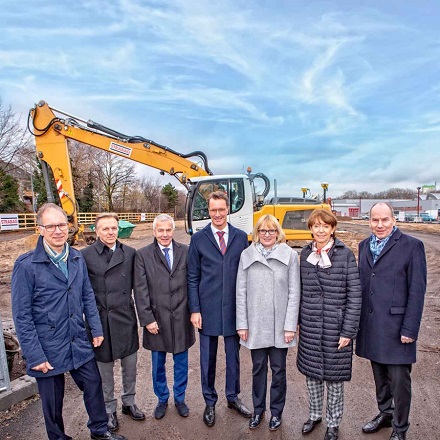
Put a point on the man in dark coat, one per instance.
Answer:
(162, 306)
(51, 293)
(110, 265)
(213, 258)
(392, 268)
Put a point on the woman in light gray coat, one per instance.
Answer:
(267, 304)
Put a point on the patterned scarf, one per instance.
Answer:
(319, 256)
(60, 260)
(377, 244)
(263, 251)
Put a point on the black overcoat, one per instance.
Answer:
(161, 296)
(393, 292)
(112, 282)
(330, 308)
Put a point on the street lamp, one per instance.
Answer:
(305, 191)
(418, 202)
(325, 188)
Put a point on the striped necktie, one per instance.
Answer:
(167, 256)
(221, 241)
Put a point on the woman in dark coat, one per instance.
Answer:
(329, 318)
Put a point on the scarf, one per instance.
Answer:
(263, 251)
(377, 244)
(320, 256)
(60, 260)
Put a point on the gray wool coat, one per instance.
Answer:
(161, 295)
(268, 296)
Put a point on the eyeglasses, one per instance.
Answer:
(267, 231)
(51, 228)
(219, 211)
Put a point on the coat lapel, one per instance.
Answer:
(72, 267)
(161, 255)
(177, 255)
(210, 235)
(117, 257)
(391, 242)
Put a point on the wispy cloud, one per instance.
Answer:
(305, 91)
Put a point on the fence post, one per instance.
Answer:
(5, 384)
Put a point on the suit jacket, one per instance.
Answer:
(161, 296)
(112, 282)
(49, 311)
(393, 292)
(212, 280)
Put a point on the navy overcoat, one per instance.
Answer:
(393, 292)
(212, 278)
(49, 310)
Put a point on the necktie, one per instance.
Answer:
(221, 241)
(109, 254)
(167, 256)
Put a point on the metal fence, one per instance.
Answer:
(27, 221)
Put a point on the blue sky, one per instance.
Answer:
(306, 92)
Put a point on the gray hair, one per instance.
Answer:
(47, 206)
(163, 218)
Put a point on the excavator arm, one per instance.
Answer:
(52, 128)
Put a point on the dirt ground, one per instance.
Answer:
(25, 420)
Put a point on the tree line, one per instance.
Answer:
(102, 181)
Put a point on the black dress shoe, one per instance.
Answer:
(160, 410)
(209, 415)
(112, 422)
(398, 436)
(107, 436)
(182, 409)
(255, 421)
(310, 425)
(274, 423)
(241, 408)
(133, 411)
(332, 433)
(379, 422)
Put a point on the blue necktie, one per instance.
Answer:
(167, 256)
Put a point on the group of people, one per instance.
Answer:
(78, 312)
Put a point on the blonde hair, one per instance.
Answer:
(271, 222)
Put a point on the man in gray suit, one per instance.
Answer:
(162, 304)
(110, 265)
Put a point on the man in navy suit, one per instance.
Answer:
(213, 258)
(392, 268)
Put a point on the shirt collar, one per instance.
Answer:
(170, 247)
(215, 230)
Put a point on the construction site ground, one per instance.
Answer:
(24, 420)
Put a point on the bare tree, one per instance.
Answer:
(116, 172)
(13, 137)
(152, 191)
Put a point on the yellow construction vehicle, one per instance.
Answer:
(52, 128)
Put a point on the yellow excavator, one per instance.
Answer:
(52, 128)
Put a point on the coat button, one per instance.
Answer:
(371, 310)
(373, 274)
(371, 292)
